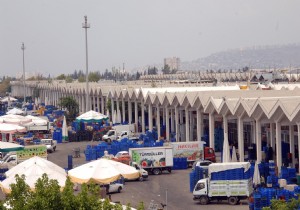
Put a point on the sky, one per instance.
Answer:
(137, 33)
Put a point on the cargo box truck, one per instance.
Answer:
(153, 159)
(232, 186)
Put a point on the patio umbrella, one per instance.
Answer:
(33, 169)
(8, 147)
(256, 175)
(233, 156)
(15, 111)
(102, 171)
(8, 99)
(226, 152)
(14, 119)
(35, 121)
(64, 130)
(91, 116)
(10, 128)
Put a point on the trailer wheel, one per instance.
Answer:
(203, 200)
(156, 171)
(233, 200)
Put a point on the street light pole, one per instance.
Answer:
(23, 49)
(86, 25)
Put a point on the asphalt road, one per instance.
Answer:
(172, 189)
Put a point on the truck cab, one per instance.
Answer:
(201, 191)
(10, 158)
(50, 144)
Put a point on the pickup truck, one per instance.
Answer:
(50, 144)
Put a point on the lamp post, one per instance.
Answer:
(86, 25)
(23, 49)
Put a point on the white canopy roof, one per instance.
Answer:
(216, 167)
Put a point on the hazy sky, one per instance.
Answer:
(136, 32)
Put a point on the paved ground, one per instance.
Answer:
(171, 188)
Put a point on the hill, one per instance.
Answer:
(265, 57)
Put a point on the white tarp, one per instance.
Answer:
(234, 156)
(256, 175)
(15, 111)
(216, 167)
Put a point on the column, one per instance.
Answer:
(143, 117)
(158, 121)
(95, 102)
(112, 106)
(199, 124)
(83, 104)
(118, 106)
(98, 104)
(187, 125)
(292, 144)
(129, 112)
(177, 123)
(211, 130)
(172, 121)
(254, 132)
(150, 118)
(240, 127)
(136, 117)
(298, 130)
(278, 146)
(272, 137)
(258, 141)
(167, 125)
(123, 110)
(102, 105)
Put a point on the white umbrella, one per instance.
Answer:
(35, 121)
(7, 147)
(233, 156)
(91, 116)
(256, 175)
(64, 130)
(15, 111)
(102, 171)
(33, 169)
(14, 119)
(8, 99)
(10, 128)
(226, 151)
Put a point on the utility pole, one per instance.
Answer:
(86, 25)
(24, 85)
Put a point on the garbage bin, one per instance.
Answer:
(76, 152)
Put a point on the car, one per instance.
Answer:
(202, 163)
(115, 187)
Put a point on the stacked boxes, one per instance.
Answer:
(195, 176)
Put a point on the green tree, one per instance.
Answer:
(69, 79)
(94, 77)
(72, 107)
(68, 198)
(81, 79)
(166, 69)
(61, 77)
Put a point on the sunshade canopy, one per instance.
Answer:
(8, 147)
(91, 116)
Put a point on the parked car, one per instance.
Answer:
(202, 163)
(50, 143)
(115, 187)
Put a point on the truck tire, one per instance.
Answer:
(203, 200)
(108, 140)
(233, 200)
(54, 149)
(119, 189)
(156, 171)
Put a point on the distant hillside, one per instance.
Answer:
(265, 57)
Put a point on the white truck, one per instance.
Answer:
(50, 144)
(153, 159)
(118, 132)
(232, 190)
(193, 151)
(13, 158)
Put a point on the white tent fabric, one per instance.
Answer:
(226, 151)
(91, 115)
(216, 167)
(11, 128)
(15, 111)
(33, 169)
(233, 156)
(35, 121)
(102, 171)
(14, 119)
(256, 175)
(7, 99)
(7, 146)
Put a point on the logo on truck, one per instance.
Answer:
(149, 159)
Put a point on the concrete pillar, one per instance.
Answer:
(167, 125)
(187, 125)
(258, 141)
(98, 104)
(136, 117)
(118, 106)
(158, 121)
(254, 132)
(272, 136)
(83, 103)
(143, 117)
(164, 116)
(129, 112)
(192, 120)
(177, 123)
(112, 106)
(172, 120)
(150, 118)
(102, 105)
(123, 110)
(211, 130)
(278, 146)
(240, 128)
(298, 130)
(199, 124)
(292, 144)
(95, 102)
